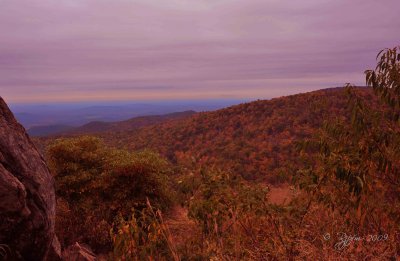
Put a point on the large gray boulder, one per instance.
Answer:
(27, 197)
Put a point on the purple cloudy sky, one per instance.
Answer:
(66, 50)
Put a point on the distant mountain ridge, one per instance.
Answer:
(128, 125)
(79, 113)
(46, 130)
(95, 127)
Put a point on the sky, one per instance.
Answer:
(95, 50)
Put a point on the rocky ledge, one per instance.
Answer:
(27, 198)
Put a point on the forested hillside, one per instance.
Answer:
(256, 139)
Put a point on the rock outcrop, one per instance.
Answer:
(27, 197)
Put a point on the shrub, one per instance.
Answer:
(95, 184)
(144, 236)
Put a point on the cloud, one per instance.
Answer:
(130, 49)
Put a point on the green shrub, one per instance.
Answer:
(97, 183)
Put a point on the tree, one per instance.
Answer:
(357, 172)
(385, 79)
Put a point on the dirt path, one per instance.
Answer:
(281, 195)
(180, 226)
